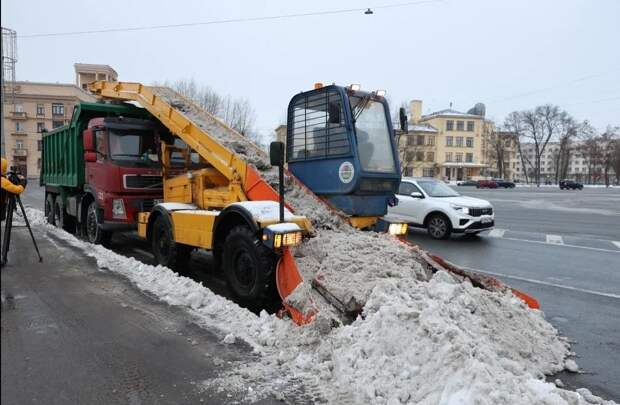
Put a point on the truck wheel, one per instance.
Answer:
(49, 209)
(94, 233)
(61, 219)
(438, 226)
(166, 251)
(249, 268)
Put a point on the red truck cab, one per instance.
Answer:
(122, 172)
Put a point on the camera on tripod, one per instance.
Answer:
(14, 175)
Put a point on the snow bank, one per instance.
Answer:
(439, 341)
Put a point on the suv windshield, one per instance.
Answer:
(133, 145)
(437, 189)
(373, 136)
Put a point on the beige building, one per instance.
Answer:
(36, 107)
(86, 73)
(446, 144)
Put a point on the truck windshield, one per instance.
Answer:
(373, 135)
(133, 145)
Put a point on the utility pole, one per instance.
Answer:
(9, 58)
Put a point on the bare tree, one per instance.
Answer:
(609, 143)
(513, 124)
(236, 113)
(592, 152)
(615, 159)
(567, 132)
(538, 127)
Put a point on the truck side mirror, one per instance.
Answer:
(403, 120)
(90, 156)
(276, 153)
(89, 140)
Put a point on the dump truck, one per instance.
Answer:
(101, 169)
(227, 204)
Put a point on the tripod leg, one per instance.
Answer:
(34, 242)
(6, 242)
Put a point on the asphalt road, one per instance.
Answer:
(74, 334)
(562, 247)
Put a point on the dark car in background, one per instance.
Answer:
(486, 184)
(504, 183)
(467, 183)
(570, 185)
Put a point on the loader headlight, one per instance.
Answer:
(397, 229)
(463, 210)
(281, 235)
(118, 208)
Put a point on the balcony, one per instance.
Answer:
(20, 152)
(19, 115)
(19, 132)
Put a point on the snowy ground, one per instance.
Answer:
(437, 341)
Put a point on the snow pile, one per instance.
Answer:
(439, 341)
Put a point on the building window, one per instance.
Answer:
(448, 156)
(470, 126)
(56, 124)
(38, 163)
(469, 142)
(410, 140)
(430, 156)
(430, 141)
(19, 108)
(460, 125)
(469, 157)
(19, 127)
(19, 144)
(459, 157)
(428, 172)
(449, 125)
(419, 156)
(40, 127)
(409, 156)
(40, 109)
(39, 145)
(459, 141)
(507, 143)
(449, 140)
(58, 109)
(420, 140)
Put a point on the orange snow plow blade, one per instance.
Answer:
(486, 282)
(287, 280)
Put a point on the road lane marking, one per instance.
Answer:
(555, 239)
(616, 243)
(563, 245)
(546, 283)
(497, 233)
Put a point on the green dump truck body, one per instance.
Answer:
(63, 148)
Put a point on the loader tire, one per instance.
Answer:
(167, 252)
(250, 270)
(94, 233)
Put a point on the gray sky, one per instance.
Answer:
(508, 54)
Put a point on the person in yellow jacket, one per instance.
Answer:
(7, 187)
(6, 183)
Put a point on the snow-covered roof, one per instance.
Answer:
(422, 128)
(448, 112)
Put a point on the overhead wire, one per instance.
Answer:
(227, 21)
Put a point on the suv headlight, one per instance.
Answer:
(461, 209)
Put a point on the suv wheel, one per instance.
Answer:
(438, 227)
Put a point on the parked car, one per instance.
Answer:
(569, 184)
(430, 204)
(504, 183)
(467, 183)
(486, 184)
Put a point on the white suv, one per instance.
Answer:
(430, 204)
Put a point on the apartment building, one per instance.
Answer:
(579, 168)
(37, 107)
(445, 144)
(496, 146)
